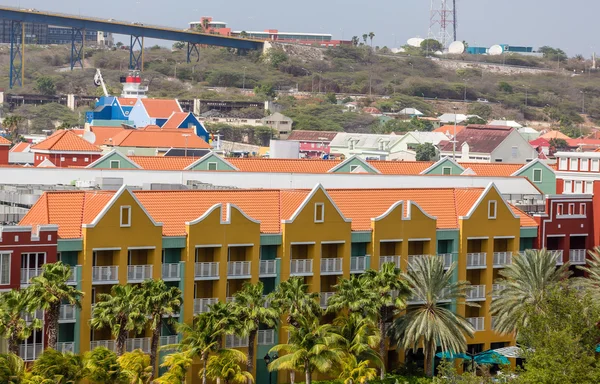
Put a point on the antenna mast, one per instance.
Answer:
(442, 18)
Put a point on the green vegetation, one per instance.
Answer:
(425, 152)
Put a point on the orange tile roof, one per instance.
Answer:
(175, 120)
(4, 141)
(162, 163)
(161, 108)
(158, 139)
(400, 167)
(20, 147)
(104, 133)
(65, 141)
(493, 169)
(555, 135)
(283, 165)
(449, 128)
(127, 101)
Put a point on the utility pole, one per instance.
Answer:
(454, 18)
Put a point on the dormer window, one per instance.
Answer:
(125, 216)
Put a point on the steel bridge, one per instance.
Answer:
(137, 32)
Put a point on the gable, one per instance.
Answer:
(353, 164)
(114, 160)
(540, 175)
(482, 210)
(404, 219)
(211, 161)
(317, 208)
(441, 168)
(214, 225)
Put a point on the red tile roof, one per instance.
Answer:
(493, 169)
(540, 142)
(175, 120)
(4, 141)
(554, 135)
(65, 141)
(449, 129)
(481, 139)
(316, 136)
(127, 101)
(162, 163)
(20, 147)
(158, 139)
(400, 167)
(283, 165)
(104, 133)
(161, 108)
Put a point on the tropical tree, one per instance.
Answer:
(355, 41)
(292, 297)
(432, 323)
(65, 368)
(592, 281)
(360, 337)
(178, 365)
(222, 314)
(137, 367)
(123, 310)
(371, 37)
(14, 327)
(391, 292)
(225, 366)
(103, 367)
(365, 37)
(524, 283)
(355, 371)
(311, 347)
(50, 290)
(11, 124)
(354, 295)
(12, 369)
(250, 309)
(160, 301)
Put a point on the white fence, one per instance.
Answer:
(239, 269)
(171, 271)
(301, 267)
(358, 264)
(268, 268)
(207, 271)
(502, 259)
(138, 273)
(107, 274)
(331, 266)
(476, 260)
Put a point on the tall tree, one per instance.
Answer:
(103, 368)
(360, 337)
(160, 301)
(178, 365)
(12, 369)
(524, 283)
(11, 123)
(365, 37)
(121, 311)
(58, 367)
(592, 281)
(292, 298)
(225, 366)
(14, 328)
(251, 310)
(50, 290)
(354, 295)
(371, 37)
(432, 323)
(222, 314)
(137, 367)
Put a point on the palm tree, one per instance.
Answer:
(64, 368)
(592, 281)
(249, 306)
(178, 365)
(391, 291)
(122, 311)
(355, 371)
(14, 327)
(431, 323)
(311, 347)
(103, 368)
(371, 36)
(360, 337)
(50, 290)
(137, 366)
(160, 300)
(352, 294)
(222, 314)
(12, 369)
(365, 36)
(524, 284)
(291, 297)
(11, 124)
(226, 366)
(355, 41)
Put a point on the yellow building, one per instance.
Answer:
(209, 242)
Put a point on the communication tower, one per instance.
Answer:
(442, 21)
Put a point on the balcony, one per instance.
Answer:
(171, 272)
(495, 289)
(105, 275)
(138, 273)
(448, 259)
(476, 260)
(66, 347)
(268, 268)
(502, 259)
(476, 293)
(477, 322)
(559, 256)
(332, 266)
(28, 273)
(142, 343)
(206, 271)
(358, 264)
(233, 341)
(28, 317)
(389, 259)
(108, 344)
(201, 305)
(324, 298)
(72, 280)
(30, 352)
(577, 256)
(168, 340)
(301, 267)
(67, 313)
(266, 337)
(239, 270)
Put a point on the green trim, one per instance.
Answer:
(271, 239)
(77, 329)
(173, 241)
(448, 235)
(529, 232)
(65, 245)
(182, 289)
(361, 236)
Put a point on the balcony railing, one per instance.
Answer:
(324, 298)
(266, 337)
(332, 266)
(72, 280)
(28, 317)
(301, 267)
(358, 264)
(414, 300)
(28, 273)
(389, 259)
(168, 340)
(233, 341)
(171, 271)
(108, 344)
(206, 271)
(142, 343)
(268, 268)
(502, 259)
(66, 347)
(577, 256)
(138, 273)
(448, 259)
(476, 260)
(239, 269)
(559, 256)
(476, 293)
(67, 313)
(495, 289)
(477, 322)
(107, 274)
(201, 305)
(30, 352)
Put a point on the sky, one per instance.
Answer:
(559, 23)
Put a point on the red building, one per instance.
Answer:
(313, 144)
(4, 149)
(65, 149)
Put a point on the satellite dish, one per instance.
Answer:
(439, 53)
(495, 50)
(415, 42)
(90, 137)
(456, 48)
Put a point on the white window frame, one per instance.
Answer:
(595, 165)
(210, 163)
(74, 159)
(568, 188)
(559, 209)
(578, 186)
(3, 256)
(118, 162)
(589, 187)
(128, 208)
(584, 165)
(446, 168)
(86, 159)
(353, 167)
(563, 164)
(571, 210)
(538, 171)
(322, 218)
(493, 203)
(514, 151)
(62, 159)
(573, 164)
(583, 209)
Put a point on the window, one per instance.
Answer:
(446, 170)
(492, 209)
(4, 268)
(589, 187)
(582, 209)
(537, 175)
(212, 166)
(498, 160)
(578, 187)
(571, 209)
(353, 168)
(62, 159)
(514, 151)
(595, 165)
(16, 238)
(568, 186)
(74, 159)
(115, 164)
(562, 164)
(559, 209)
(584, 164)
(86, 159)
(573, 164)
(125, 216)
(319, 212)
